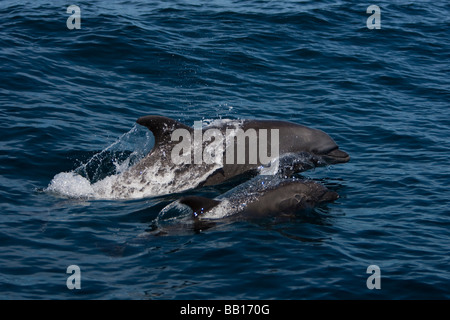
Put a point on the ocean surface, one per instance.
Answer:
(69, 100)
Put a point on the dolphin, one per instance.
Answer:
(299, 148)
(262, 197)
(312, 146)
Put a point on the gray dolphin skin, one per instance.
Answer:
(257, 199)
(312, 144)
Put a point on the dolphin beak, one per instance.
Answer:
(329, 196)
(336, 156)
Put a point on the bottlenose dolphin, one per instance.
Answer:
(297, 148)
(314, 147)
(262, 197)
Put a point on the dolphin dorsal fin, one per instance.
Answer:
(161, 127)
(199, 205)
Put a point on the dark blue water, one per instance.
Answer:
(382, 94)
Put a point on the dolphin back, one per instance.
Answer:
(199, 205)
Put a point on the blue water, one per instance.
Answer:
(382, 94)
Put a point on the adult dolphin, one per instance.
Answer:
(299, 147)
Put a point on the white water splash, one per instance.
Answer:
(71, 185)
(90, 181)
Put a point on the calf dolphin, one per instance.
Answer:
(261, 197)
